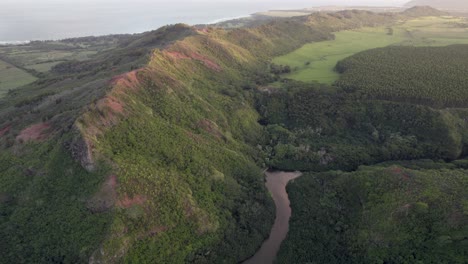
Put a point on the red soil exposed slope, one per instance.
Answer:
(4, 130)
(195, 56)
(37, 132)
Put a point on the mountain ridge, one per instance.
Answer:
(166, 127)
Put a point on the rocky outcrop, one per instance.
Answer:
(81, 150)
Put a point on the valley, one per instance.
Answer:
(149, 148)
(316, 61)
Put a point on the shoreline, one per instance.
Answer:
(306, 10)
(14, 42)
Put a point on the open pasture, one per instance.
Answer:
(12, 77)
(316, 61)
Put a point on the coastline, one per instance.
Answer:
(14, 42)
(212, 22)
(216, 21)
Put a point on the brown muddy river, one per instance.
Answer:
(276, 183)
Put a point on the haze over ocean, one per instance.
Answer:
(23, 20)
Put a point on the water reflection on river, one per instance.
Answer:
(276, 182)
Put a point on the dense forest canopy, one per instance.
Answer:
(318, 127)
(434, 76)
(380, 214)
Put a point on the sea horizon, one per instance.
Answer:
(62, 20)
(21, 42)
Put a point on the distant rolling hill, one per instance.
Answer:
(442, 4)
(418, 11)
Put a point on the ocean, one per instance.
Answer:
(25, 20)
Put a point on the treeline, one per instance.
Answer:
(434, 76)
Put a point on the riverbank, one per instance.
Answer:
(276, 183)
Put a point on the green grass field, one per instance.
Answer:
(43, 67)
(316, 61)
(43, 61)
(42, 56)
(12, 77)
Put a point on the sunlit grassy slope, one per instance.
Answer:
(316, 61)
